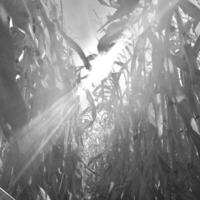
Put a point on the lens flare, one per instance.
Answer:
(32, 135)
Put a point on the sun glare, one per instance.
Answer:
(102, 66)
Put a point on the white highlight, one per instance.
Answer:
(102, 65)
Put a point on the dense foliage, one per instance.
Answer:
(152, 102)
(139, 136)
(39, 157)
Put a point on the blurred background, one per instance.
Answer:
(82, 18)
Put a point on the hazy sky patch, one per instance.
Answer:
(82, 18)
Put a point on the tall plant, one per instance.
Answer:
(38, 106)
(152, 102)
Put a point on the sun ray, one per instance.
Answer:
(43, 145)
(102, 65)
(66, 105)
